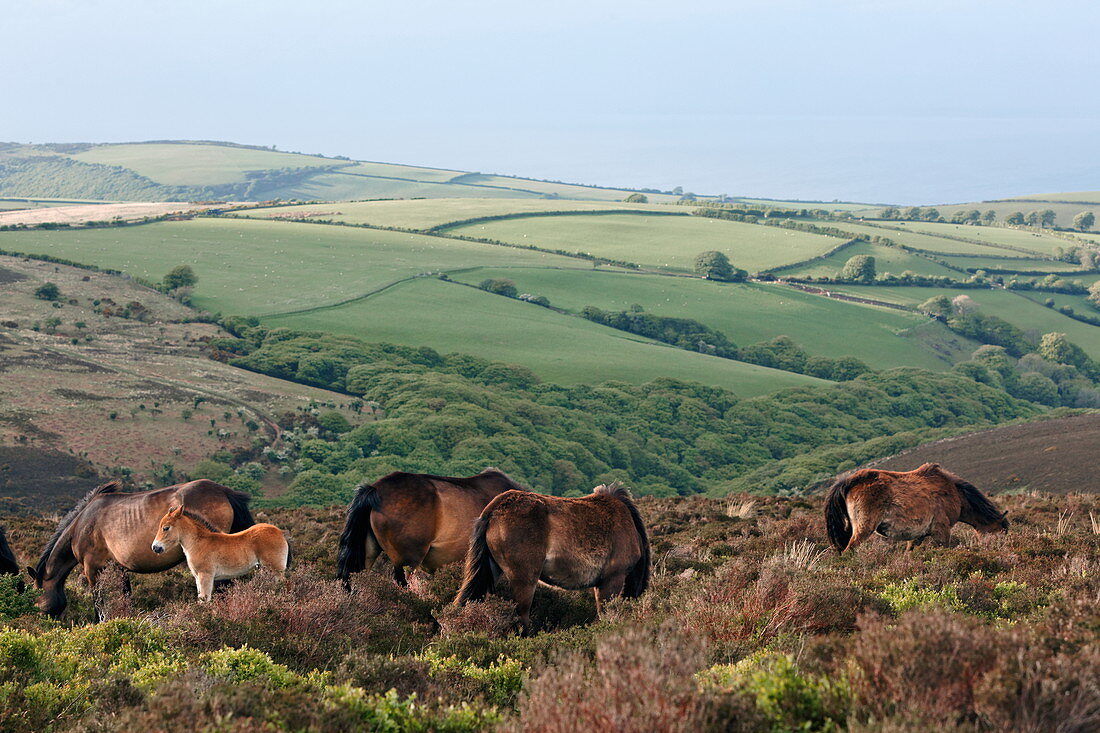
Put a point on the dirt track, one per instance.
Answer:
(1061, 455)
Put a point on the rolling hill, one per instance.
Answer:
(205, 170)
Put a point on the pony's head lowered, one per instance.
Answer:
(978, 511)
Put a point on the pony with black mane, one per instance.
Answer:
(416, 519)
(597, 541)
(110, 525)
(909, 506)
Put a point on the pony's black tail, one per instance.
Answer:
(837, 522)
(242, 517)
(289, 551)
(481, 569)
(8, 564)
(637, 580)
(357, 532)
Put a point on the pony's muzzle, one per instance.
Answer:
(158, 548)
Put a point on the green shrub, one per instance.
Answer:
(789, 699)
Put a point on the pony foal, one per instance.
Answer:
(213, 555)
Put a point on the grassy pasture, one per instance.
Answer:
(1021, 263)
(1038, 242)
(565, 190)
(426, 213)
(746, 313)
(1015, 308)
(195, 165)
(1089, 196)
(564, 349)
(916, 240)
(340, 186)
(250, 266)
(1064, 212)
(394, 170)
(887, 259)
(661, 241)
(830, 206)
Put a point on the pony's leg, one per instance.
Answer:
(865, 520)
(204, 583)
(941, 532)
(610, 588)
(523, 593)
(92, 570)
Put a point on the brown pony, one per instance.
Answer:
(906, 505)
(213, 555)
(417, 519)
(110, 525)
(597, 541)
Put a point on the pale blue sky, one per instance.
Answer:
(914, 102)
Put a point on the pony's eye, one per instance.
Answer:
(165, 529)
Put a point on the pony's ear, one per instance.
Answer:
(30, 572)
(175, 509)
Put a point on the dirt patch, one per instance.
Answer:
(1049, 455)
(34, 479)
(81, 213)
(10, 276)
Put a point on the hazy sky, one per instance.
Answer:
(913, 102)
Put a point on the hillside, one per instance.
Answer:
(1049, 455)
(204, 170)
(113, 379)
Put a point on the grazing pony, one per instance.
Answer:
(108, 524)
(597, 541)
(906, 505)
(417, 519)
(213, 555)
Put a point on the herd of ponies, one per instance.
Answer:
(490, 522)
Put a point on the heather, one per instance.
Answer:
(751, 624)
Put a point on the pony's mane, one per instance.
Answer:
(616, 489)
(494, 471)
(638, 578)
(200, 520)
(111, 487)
(978, 501)
(847, 481)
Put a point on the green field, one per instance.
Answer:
(341, 186)
(565, 349)
(825, 206)
(916, 240)
(250, 266)
(195, 165)
(887, 259)
(1089, 196)
(746, 313)
(393, 170)
(1017, 309)
(1039, 242)
(1015, 263)
(1064, 212)
(427, 213)
(565, 190)
(658, 241)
